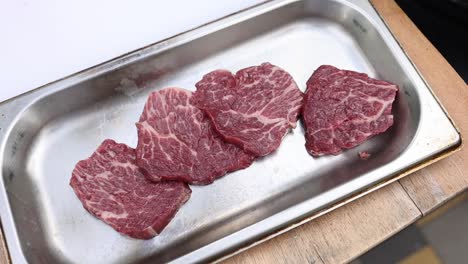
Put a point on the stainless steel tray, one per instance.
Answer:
(45, 132)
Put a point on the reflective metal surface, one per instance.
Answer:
(45, 132)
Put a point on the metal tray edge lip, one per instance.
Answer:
(148, 50)
(11, 239)
(26, 100)
(383, 28)
(10, 234)
(459, 141)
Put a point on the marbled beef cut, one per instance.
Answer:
(177, 141)
(111, 187)
(254, 108)
(344, 108)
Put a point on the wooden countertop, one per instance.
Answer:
(343, 234)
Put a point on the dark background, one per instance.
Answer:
(445, 24)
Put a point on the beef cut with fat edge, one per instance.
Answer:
(112, 188)
(177, 141)
(342, 109)
(254, 108)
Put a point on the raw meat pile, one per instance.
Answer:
(229, 121)
(343, 108)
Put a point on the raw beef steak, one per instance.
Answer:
(111, 187)
(176, 141)
(254, 108)
(343, 108)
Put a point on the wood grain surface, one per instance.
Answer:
(345, 233)
(342, 234)
(4, 258)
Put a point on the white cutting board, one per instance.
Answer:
(45, 40)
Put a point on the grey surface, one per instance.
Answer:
(448, 234)
(396, 248)
(445, 233)
(45, 132)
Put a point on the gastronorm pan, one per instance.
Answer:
(45, 132)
